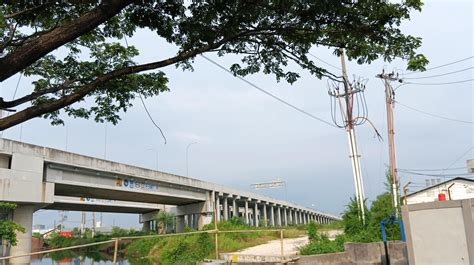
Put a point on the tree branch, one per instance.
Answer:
(33, 50)
(78, 94)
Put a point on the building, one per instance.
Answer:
(454, 189)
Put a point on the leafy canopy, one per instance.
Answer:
(76, 51)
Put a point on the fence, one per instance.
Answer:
(116, 241)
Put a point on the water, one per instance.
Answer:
(90, 258)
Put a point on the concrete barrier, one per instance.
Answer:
(361, 254)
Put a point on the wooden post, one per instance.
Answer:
(216, 231)
(116, 251)
(281, 246)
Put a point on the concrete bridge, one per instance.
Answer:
(37, 177)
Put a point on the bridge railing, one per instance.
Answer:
(116, 241)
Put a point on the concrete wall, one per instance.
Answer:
(440, 232)
(361, 254)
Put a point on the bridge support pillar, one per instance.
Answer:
(255, 218)
(235, 209)
(23, 215)
(265, 219)
(279, 222)
(246, 213)
(285, 216)
(218, 208)
(146, 226)
(272, 215)
(225, 208)
(180, 225)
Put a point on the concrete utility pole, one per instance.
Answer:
(390, 105)
(349, 126)
(83, 224)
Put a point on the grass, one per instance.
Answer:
(188, 249)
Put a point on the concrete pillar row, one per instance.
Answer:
(285, 216)
(225, 207)
(265, 219)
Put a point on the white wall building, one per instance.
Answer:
(454, 189)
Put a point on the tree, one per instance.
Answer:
(75, 52)
(8, 228)
(164, 219)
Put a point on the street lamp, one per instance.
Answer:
(187, 151)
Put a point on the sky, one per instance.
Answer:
(244, 136)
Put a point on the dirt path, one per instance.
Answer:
(272, 248)
(290, 246)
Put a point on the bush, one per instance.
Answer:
(321, 244)
(312, 230)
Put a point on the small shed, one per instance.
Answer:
(454, 189)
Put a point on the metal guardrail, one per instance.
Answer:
(116, 241)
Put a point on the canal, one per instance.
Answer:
(89, 258)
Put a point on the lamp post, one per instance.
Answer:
(187, 160)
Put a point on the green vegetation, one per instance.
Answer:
(189, 249)
(165, 221)
(354, 231)
(57, 241)
(8, 228)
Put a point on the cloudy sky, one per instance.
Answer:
(243, 136)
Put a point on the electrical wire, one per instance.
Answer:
(438, 84)
(434, 115)
(151, 118)
(459, 158)
(443, 65)
(438, 175)
(323, 61)
(144, 105)
(439, 169)
(270, 94)
(449, 73)
(17, 85)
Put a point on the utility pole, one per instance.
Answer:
(93, 224)
(83, 224)
(349, 126)
(390, 105)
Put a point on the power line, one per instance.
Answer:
(270, 94)
(443, 65)
(438, 84)
(434, 115)
(144, 105)
(460, 157)
(438, 175)
(323, 61)
(439, 169)
(151, 118)
(449, 73)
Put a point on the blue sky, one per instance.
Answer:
(245, 136)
